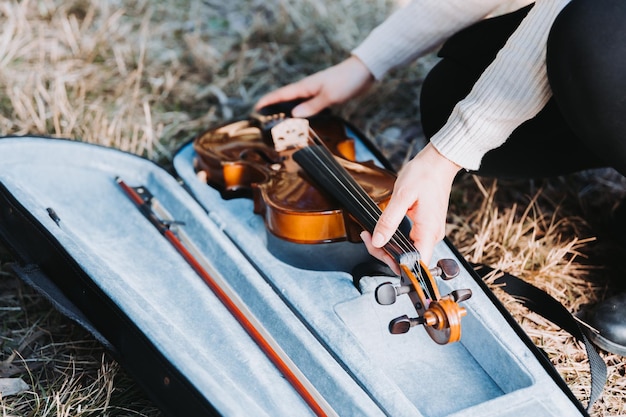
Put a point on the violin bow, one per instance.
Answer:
(162, 220)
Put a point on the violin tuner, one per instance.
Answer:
(446, 269)
(403, 324)
(460, 295)
(387, 293)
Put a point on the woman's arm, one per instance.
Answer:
(513, 89)
(417, 28)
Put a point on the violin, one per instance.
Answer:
(245, 158)
(301, 153)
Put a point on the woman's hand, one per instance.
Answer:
(421, 191)
(333, 85)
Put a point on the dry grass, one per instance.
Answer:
(538, 231)
(143, 76)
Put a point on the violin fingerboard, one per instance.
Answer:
(328, 174)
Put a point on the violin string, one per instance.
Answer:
(368, 205)
(370, 208)
(328, 161)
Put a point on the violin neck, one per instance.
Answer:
(324, 169)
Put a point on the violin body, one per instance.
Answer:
(240, 159)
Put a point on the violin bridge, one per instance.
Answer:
(290, 133)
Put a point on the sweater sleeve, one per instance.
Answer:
(417, 28)
(513, 89)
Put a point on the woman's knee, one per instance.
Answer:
(438, 95)
(586, 50)
(464, 58)
(586, 60)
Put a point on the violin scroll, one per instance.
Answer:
(440, 316)
(387, 293)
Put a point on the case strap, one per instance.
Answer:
(542, 303)
(34, 277)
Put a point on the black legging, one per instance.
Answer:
(584, 123)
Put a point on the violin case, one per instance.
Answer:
(80, 241)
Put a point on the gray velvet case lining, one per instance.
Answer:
(335, 334)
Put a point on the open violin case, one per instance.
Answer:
(82, 242)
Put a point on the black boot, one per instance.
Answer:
(609, 318)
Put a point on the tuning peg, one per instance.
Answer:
(446, 269)
(459, 295)
(386, 293)
(402, 324)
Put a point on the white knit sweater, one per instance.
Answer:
(513, 89)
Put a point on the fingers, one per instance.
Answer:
(310, 107)
(421, 192)
(298, 90)
(424, 236)
(330, 86)
(379, 253)
(390, 219)
(425, 239)
(316, 102)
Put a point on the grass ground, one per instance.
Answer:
(143, 76)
